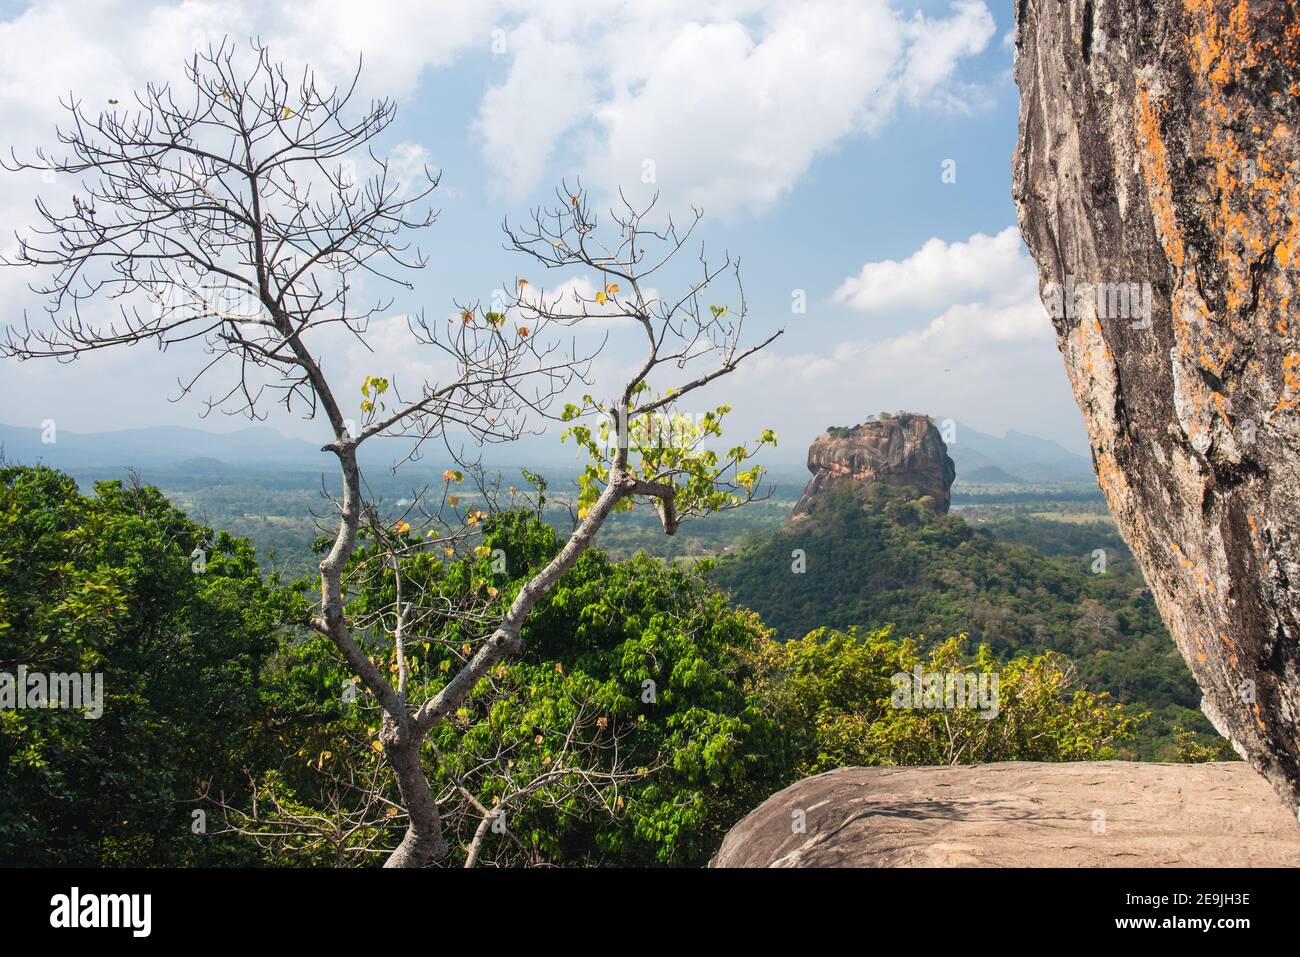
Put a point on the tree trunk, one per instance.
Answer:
(423, 842)
(1158, 148)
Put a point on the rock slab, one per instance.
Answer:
(1021, 814)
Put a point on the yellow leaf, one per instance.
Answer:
(612, 288)
(377, 746)
(401, 527)
(601, 297)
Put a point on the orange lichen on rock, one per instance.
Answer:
(1254, 180)
(1155, 171)
(1290, 382)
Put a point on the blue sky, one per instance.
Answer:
(814, 135)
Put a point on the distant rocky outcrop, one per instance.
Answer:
(1020, 814)
(902, 450)
(1157, 184)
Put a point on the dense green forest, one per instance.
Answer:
(1022, 585)
(647, 715)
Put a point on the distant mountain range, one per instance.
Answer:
(979, 457)
(1014, 458)
(259, 447)
(158, 447)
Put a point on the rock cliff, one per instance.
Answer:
(903, 450)
(1020, 814)
(1157, 184)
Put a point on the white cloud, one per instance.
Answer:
(732, 100)
(963, 337)
(983, 349)
(106, 49)
(936, 46)
(102, 49)
(547, 92)
(410, 165)
(727, 103)
(996, 269)
(986, 287)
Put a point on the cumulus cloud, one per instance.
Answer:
(963, 339)
(981, 343)
(935, 47)
(724, 101)
(548, 91)
(996, 269)
(985, 287)
(724, 104)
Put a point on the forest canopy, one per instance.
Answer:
(641, 685)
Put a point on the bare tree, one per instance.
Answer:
(228, 214)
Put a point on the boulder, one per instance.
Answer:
(1020, 814)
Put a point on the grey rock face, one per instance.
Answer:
(906, 451)
(1157, 184)
(1020, 814)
